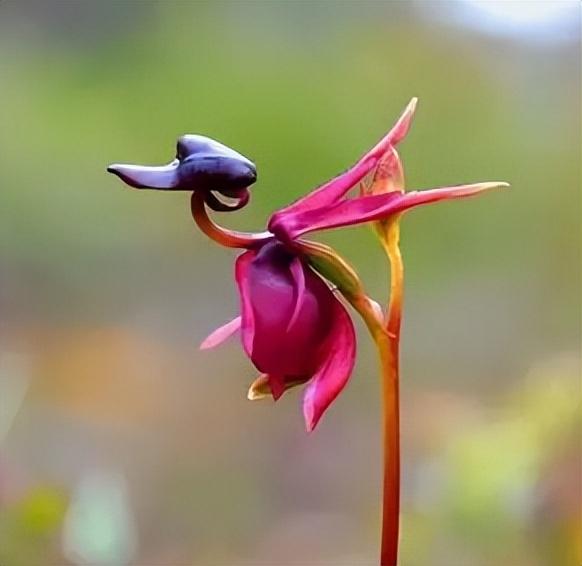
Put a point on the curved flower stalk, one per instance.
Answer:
(293, 324)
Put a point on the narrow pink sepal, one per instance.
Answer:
(374, 207)
(298, 274)
(335, 189)
(221, 334)
(400, 129)
(335, 370)
(247, 317)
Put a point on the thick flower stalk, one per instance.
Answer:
(293, 323)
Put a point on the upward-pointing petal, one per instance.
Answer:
(400, 129)
(335, 189)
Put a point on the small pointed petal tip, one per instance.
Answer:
(495, 184)
(400, 129)
(488, 185)
(221, 334)
(146, 177)
(253, 395)
(310, 423)
(115, 168)
(411, 108)
(310, 417)
(259, 389)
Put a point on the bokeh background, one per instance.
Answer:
(122, 444)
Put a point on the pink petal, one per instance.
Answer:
(242, 265)
(277, 385)
(298, 275)
(221, 334)
(400, 129)
(375, 207)
(335, 370)
(333, 190)
(276, 291)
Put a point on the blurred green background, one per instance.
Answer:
(121, 444)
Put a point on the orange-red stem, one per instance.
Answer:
(389, 357)
(223, 236)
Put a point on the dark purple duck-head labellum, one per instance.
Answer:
(201, 164)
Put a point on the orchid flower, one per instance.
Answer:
(293, 327)
(293, 323)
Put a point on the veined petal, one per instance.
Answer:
(241, 271)
(339, 354)
(374, 207)
(335, 189)
(389, 175)
(221, 334)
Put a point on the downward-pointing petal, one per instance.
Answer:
(296, 268)
(273, 294)
(221, 334)
(242, 265)
(277, 385)
(335, 370)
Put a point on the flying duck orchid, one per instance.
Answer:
(293, 322)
